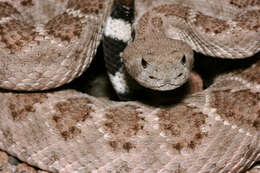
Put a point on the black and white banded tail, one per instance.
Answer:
(117, 35)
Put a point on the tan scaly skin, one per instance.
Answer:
(67, 131)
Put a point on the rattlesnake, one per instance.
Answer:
(159, 54)
(68, 131)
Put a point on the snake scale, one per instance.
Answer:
(216, 130)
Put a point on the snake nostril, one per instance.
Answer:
(179, 75)
(152, 77)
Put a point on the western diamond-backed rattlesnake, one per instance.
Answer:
(216, 130)
(159, 55)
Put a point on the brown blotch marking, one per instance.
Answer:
(243, 3)
(27, 3)
(65, 27)
(182, 125)
(210, 24)
(249, 20)
(7, 10)
(239, 107)
(15, 34)
(123, 122)
(173, 10)
(113, 144)
(128, 146)
(87, 7)
(177, 146)
(256, 123)
(22, 104)
(69, 113)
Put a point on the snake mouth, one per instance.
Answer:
(168, 86)
(164, 87)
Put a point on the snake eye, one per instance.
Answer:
(144, 63)
(183, 60)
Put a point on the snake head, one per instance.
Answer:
(162, 64)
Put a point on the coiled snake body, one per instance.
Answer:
(216, 130)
